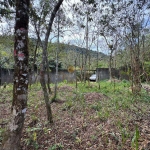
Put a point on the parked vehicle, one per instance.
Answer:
(92, 77)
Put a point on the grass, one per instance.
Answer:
(86, 115)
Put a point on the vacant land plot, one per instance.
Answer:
(93, 116)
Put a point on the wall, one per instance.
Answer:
(6, 76)
(62, 75)
(103, 73)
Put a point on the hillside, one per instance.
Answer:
(7, 61)
(83, 51)
(68, 54)
(76, 49)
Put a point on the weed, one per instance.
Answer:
(78, 140)
(135, 139)
(124, 135)
(93, 137)
(103, 114)
(32, 140)
(2, 132)
(58, 146)
(96, 106)
(32, 137)
(118, 110)
(67, 105)
(46, 130)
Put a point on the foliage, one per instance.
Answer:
(6, 52)
(136, 138)
(52, 65)
(147, 70)
(6, 7)
(56, 147)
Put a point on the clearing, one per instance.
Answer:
(86, 118)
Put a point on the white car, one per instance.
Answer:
(93, 77)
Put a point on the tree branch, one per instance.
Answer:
(56, 8)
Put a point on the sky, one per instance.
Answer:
(74, 37)
(77, 35)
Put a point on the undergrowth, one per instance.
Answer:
(115, 111)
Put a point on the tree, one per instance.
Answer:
(126, 20)
(84, 17)
(20, 88)
(38, 21)
(133, 23)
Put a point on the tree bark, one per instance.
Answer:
(56, 75)
(136, 87)
(110, 66)
(46, 96)
(135, 63)
(86, 55)
(20, 88)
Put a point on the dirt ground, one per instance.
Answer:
(78, 126)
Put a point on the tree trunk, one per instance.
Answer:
(135, 63)
(56, 75)
(110, 66)
(20, 88)
(136, 75)
(46, 96)
(86, 55)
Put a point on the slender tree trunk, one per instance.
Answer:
(143, 58)
(43, 84)
(97, 54)
(136, 75)
(86, 55)
(46, 96)
(131, 74)
(56, 76)
(47, 70)
(111, 47)
(135, 69)
(110, 66)
(82, 68)
(76, 73)
(20, 88)
(33, 64)
(98, 72)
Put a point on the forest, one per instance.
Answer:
(80, 36)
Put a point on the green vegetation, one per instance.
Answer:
(87, 113)
(6, 51)
(67, 54)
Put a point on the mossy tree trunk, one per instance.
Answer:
(20, 88)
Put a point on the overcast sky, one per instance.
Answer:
(75, 36)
